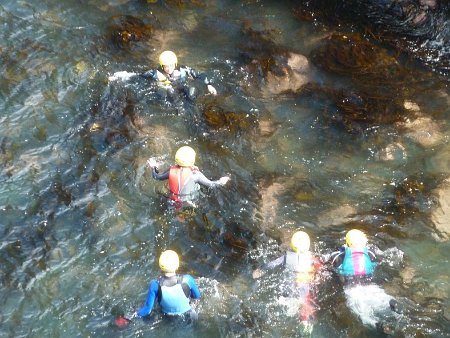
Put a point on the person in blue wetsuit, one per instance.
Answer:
(184, 178)
(171, 291)
(304, 265)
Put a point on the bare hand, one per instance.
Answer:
(257, 273)
(224, 180)
(151, 162)
(212, 90)
(124, 75)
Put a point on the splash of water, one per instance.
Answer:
(369, 302)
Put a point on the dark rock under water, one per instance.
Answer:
(418, 28)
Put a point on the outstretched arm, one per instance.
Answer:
(201, 179)
(160, 176)
(266, 267)
(201, 76)
(151, 162)
(337, 257)
(150, 301)
(124, 76)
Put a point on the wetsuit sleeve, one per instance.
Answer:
(195, 292)
(272, 264)
(199, 178)
(337, 257)
(150, 301)
(149, 75)
(196, 75)
(160, 176)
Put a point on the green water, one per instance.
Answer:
(81, 219)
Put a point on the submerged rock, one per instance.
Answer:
(112, 123)
(364, 62)
(441, 215)
(419, 28)
(124, 29)
(218, 118)
(272, 68)
(337, 216)
(355, 111)
(293, 77)
(270, 204)
(423, 130)
(267, 128)
(392, 152)
(440, 162)
(378, 88)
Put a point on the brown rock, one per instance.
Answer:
(393, 151)
(267, 128)
(270, 205)
(441, 161)
(295, 76)
(431, 4)
(336, 216)
(441, 215)
(424, 131)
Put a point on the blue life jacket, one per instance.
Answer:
(356, 263)
(173, 299)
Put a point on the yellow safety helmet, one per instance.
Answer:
(168, 58)
(355, 239)
(300, 242)
(185, 156)
(169, 261)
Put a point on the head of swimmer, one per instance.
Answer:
(168, 61)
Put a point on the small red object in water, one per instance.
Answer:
(121, 321)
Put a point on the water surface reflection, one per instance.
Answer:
(320, 127)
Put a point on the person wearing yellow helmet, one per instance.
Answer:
(173, 292)
(170, 76)
(169, 72)
(354, 260)
(300, 259)
(184, 177)
(168, 60)
(304, 266)
(355, 264)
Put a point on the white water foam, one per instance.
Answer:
(369, 302)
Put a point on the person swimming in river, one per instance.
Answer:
(172, 79)
(184, 178)
(355, 264)
(174, 293)
(304, 265)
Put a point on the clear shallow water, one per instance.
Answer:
(81, 219)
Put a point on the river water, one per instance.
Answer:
(82, 222)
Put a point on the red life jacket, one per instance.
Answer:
(180, 181)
